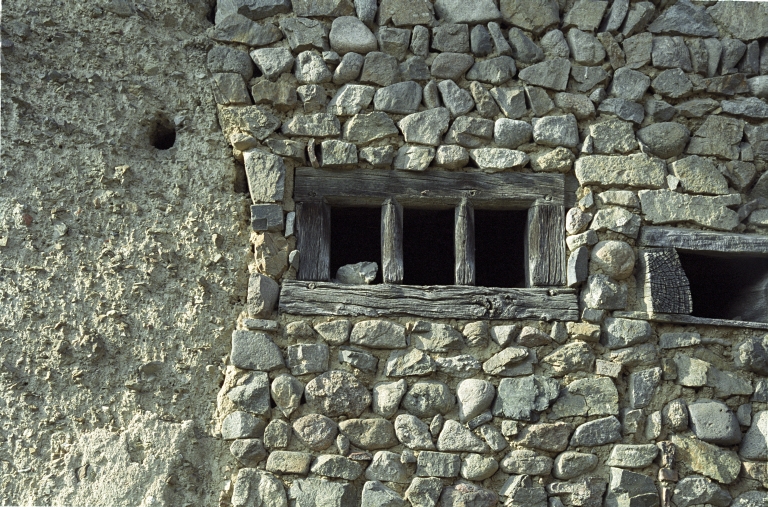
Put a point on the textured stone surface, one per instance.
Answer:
(664, 207)
(635, 170)
(552, 74)
(519, 398)
(707, 459)
(369, 434)
(337, 393)
(630, 488)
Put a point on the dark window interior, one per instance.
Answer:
(734, 288)
(428, 247)
(500, 247)
(355, 237)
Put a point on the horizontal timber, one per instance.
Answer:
(674, 318)
(693, 240)
(440, 302)
(429, 188)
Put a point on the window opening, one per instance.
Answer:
(428, 257)
(355, 237)
(732, 288)
(500, 247)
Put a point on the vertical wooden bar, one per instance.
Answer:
(464, 244)
(313, 240)
(545, 245)
(392, 241)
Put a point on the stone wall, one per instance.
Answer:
(654, 113)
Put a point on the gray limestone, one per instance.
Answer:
(754, 445)
(498, 159)
(399, 98)
(387, 397)
(413, 157)
(230, 89)
(531, 15)
(458, 101)
(556, 131)
(336, 467)
(552, 74)
(470, 131)
(402, 363)
(697, 490)
(311, 68)
(375, 494)
(387, 466)
(550, 437)
(366, 10)
(586, 78)
(337, 393)
(335, 153)
(262, 294)
(571, 357)
(614, 258)
(484, 102)
(286, 392)
(632, 456)
(323, 7)
(637, 18)
(415, 69)
(642, 385)
(752, 355)
(313, 97)
(322, 493)
(630, 488)
(316, 431)
(425, 127)
(555, 45)
(241, 424)
(612, 136)
(671, 53)
(349, 34)
(587, 396)
(255, 487)
(239, 29)
(349, 68)
(699, 175)
(458, 11)
(578, 105)
(524, 49)
(413, 433)
(380, 69)
(519, 398)
(369, 434)
(751, 107)
(637, 50)
(713, 422)
(438, 464)
(452, 66)
(266, 177)
(619, 333)
(585, 15)
(366, 127)
(571, 464)
(585, 48)
(511, 101)
(597, 432)
(629, 84)
(685, 18)
(451, 157)
(225, 59)
(456, 437)
(378, 334)
(526, 462)
(394, 41)
(428, 398)
(672, 83)
(474, 397)
(451, 38)
(495, 71)
(420, 41)
(272, 62)
(252, 393)
(307, 358)
(557, 160)
(635, 170)
(303, 34)
(578, 267)
(664, 206)
(461, 366)
(476, 467)
(603, 293)
(406, 12)
(539, 100)
(435, 337)
(335, 332)
(617, 219)
(624, 109)
(424, 491)
(351, 99)
(360, 360)
(666, 139)
(715, 462)
(313, 125)
(289, 462)
(255, 351)
(248, 450)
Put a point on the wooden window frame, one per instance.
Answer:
(664, 289)
(542, 194)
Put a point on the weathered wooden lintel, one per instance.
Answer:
(432, 189)
(439, 302)
(673, 318)
(693, 240)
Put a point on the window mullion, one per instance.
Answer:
(464, 244)
(313, 240)
(392, 242)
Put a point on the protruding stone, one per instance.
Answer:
(316, 431)
(369, 434)
(337, 393)
(428, 398)
(413, 433)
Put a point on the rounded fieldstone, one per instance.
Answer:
(475, 396)
(286, 392)
(576, 220)
(316, 431)
(666, 139)
(350, 35)
(336, 393)
(427, 399)
(572, 464)
(614, 258)
(476, 467)
(712, 421)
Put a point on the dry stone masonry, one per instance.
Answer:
(654, 116)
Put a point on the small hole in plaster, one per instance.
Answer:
(212, 13)
(163, 134)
